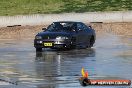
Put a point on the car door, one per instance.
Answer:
(81, 35)
(86, 34)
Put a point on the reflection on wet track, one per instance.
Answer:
(62, 63)
(111, 57)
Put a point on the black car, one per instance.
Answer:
(65, 35)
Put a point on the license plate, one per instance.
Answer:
(48, 44)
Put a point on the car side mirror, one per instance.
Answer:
(43, 29)
(89, 26)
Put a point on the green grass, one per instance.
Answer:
(20, 7)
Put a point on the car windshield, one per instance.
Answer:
(62, 26)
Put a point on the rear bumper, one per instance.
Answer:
(52, 43)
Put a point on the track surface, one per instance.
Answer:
(22, 67)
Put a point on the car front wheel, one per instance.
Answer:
(38, 49)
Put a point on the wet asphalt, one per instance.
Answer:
(22, 67)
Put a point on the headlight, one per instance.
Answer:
(38, 37)
(61, 37)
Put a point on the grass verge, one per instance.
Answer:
(20, 7)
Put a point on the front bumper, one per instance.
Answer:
(52, 43)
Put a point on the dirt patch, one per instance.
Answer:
(115, 28)
(19, 32)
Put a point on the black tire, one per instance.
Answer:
(38, 49)
(73, 43)
(92, 41)
(72, 46)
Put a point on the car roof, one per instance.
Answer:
(67, 22)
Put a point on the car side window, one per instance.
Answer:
(82, 26)
(85, 27)
(79, 26)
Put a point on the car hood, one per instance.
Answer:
(52, 35)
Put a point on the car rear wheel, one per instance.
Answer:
(92, 41)
(38, 49)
